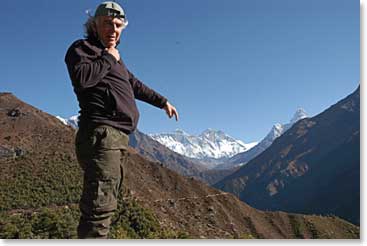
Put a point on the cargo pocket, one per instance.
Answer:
(98, 196)
(105, 200)
(99, 136)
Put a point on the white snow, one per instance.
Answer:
(299, 115)
(209, 144)
(250, 145)
(72, 121)
(64, 121)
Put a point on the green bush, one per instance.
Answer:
(131, 221)
(48, 223)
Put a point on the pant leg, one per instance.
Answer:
(102, 155)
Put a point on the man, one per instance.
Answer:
(106, 91)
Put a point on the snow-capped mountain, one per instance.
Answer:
(72, 121)
(209, 144)
(276, 131)
(298, 115)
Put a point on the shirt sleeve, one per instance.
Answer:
(86, 71)
(146, 94)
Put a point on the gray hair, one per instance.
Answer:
(90, 28)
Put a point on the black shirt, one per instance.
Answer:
(105, 88)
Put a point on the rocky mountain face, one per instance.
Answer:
(40, 189)
(19, 118)
(276, 131)
(312, 168)
(212, 176)
(210, 144)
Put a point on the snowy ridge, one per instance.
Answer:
(209, 144)
(298, 115)
(64, 121)
(72, 121)
(278, 129)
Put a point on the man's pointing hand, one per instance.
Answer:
(170, 110)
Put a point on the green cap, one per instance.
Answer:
(110, 8)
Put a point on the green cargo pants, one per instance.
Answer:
(102, 154)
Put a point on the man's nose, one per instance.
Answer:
(114, 27)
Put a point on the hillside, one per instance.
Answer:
(212, 176)
(311, 168)
(40, 187)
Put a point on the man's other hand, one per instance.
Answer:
(115, 52)
(171, 111)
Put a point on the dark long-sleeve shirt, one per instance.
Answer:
(105, 88)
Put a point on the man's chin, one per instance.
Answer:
(110, 44)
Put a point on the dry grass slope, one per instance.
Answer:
(40, 187)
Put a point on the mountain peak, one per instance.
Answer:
(299, 115)
(210, 143)
(9, 98)
(275, 132)
(212, 132)
(71, 121)
(181, 132)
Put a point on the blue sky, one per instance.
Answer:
(237, 65)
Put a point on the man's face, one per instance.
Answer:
(109, 30)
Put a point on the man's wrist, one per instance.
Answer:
(164, 103)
